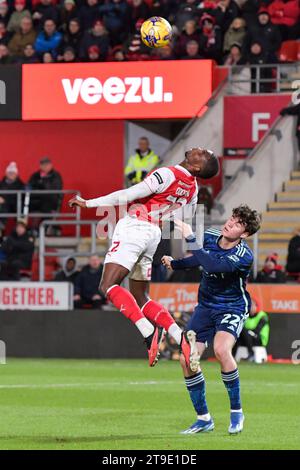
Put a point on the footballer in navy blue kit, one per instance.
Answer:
(223, 307)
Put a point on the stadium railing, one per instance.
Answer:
(23, 204)
(43, 253)
(280, 71)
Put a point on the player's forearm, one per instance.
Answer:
(124, 195)
(209, 262)
(184, 263)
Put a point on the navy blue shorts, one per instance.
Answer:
(206, 322)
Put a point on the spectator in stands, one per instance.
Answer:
(87, 284)
(235, 34)
(11, 182)
(192, 51)
(285, 14)
(4, 12)
(47, 58)
(20, 12)
(165, 53)
(69, 271)
(5, 57)
(266, 33)
(293, 259)
(43, 11)
(210, 39)
(18, 248)
(93, 54)
(235, 56)
(293, 111)
(98, 36)
(272, 272)
(88, 14)
(256, 330)
(165, 8)
(72, 37)
(186, 11)
(140, 163)
(68, 12)
(257, 55)
(26, 35)
(5, 36)
(116, 18)
(189, 33)
(68, 55)
(135, 49)
(139, 11)
(48, 40)
(46, 178)
(29, 56)
(118, 54)
(225, 12)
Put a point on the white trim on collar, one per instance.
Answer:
(184, 170)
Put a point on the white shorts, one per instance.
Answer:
(134, 243)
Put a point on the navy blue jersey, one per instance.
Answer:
(223, 285)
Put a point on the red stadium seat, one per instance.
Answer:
(289, 51)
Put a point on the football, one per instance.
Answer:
(156, 32)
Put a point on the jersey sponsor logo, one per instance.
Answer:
(158, 177)
(114, 90)
(182, 192)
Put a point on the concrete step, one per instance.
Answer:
(278, 227)
(295, 175)
(290, 205)
(288, 196)
(292, 185)
(292, 216)
(274, 237)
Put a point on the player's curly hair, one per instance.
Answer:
(251, 219)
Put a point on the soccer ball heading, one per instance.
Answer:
(156, 32)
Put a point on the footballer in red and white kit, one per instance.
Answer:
(137, 235)
(135, 241)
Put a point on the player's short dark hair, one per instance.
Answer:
(212, 166)
(251, 219)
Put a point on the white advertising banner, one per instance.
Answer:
(36, 296)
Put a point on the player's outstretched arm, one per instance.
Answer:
(137, 191)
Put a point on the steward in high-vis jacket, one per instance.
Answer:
(141, 163)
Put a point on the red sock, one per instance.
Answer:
(125, 302)
(157, 314)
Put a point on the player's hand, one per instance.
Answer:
(166, 261)
(184, 228)
(77, 201)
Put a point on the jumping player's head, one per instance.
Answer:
(201, 163)
(242, 223)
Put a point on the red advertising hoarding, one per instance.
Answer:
(137, 90)
(247, 118)
(274, 298)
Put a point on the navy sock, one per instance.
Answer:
(232, 383)
(196, 388)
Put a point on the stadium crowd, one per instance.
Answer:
(229, 31)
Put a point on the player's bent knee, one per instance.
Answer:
(221, 351)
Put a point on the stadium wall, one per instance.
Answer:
(75, 147)
(103, 334)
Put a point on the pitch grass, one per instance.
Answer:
(106, 404)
